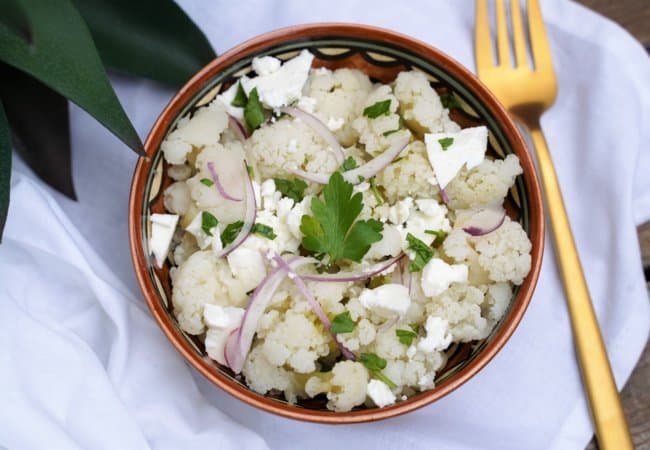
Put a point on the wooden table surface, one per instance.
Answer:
(634, 15)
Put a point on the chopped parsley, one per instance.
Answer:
(253, 111)
(342, 323)
(349, 164)
(399, 127)
(240, 99)
(449, 100)
(264, 230)
(208, 182)
(423, 253)
(406, 337)
(376, 364)
(445, 143)
(208, 222)
(230, 233)
(440, 236)
(378, 109)
(375, 192)
(332, 229)
(294, 189)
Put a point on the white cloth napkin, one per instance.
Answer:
(83, 365)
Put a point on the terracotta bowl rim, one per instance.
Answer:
(362, 33)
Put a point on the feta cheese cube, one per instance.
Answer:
(203, 239)
(380, 394)
(162, 232)
(437, 276)
(266, 65)
(389, 245)
(220, 321)
(386, 300)
(438, 337)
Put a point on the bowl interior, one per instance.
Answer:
(382, 61)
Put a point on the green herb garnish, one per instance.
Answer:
(208, 222)
(349, 164)
(445, 143)
(206, 181)
(399, 127)
(378, 109)
(240, 99)
(230, 233)
(440, 236)
(253, 111)
(264, 230)
(449, 100)
(375, 192)
(406, 336)
(423, 253)
(342, 323)
(331, 229)
(376, 364)
(294, 189)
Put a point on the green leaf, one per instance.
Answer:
(399, 127)
(230, 233)
(349, 164)
(264, 230)
(208, 222)
(342, 323)
(63, 57)
(445, 143)
(375, 364)
(406, 337)
(253, 112)
(449, 100)
(41, 134)
(14, 18)
(207, 182)
(423, 253)
(330, 229)
(148, 38)
(240, 99)
(5, 168)
(440, 236)
(294, 189)
(378, 109)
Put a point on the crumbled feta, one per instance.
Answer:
(430, 216)
(387, 299)
(335, 124)
(389, 245)
(203, 239)
(266, 65)
(468, 148)
(396, 214)
(438, 337)
(221, 321)
(380, 394)
(437, 276)
(162, 232)
(247, 264)
(284, 86)
(426, 381)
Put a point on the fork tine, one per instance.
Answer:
(502, 35)
(518, 34)
(538, 38)
(482, 38)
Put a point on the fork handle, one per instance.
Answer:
(612, 430)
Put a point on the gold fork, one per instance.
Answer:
(527, 92)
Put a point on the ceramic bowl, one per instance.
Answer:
(381, 54)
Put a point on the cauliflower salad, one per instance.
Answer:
(331, 236)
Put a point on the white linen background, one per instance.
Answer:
(83, 365)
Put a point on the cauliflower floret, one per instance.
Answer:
(339, 96)
(179, 172)
(486, 183)
(410, 176)
(184, 249)
(497, 300)
(177, 198)
(372, 131)
(345, 385)
(420, 104)
(363, 334)
(262, 376)
(503, 254)
(295, 341)
(204, 279)
(460, 305)
(285, 144)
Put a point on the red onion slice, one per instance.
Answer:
(238, 128)
(354, 276)
(300, 284)
(444, 196)
(215, 177)
(320, 178)
(249, 216)
(320, 128)
(485, 221)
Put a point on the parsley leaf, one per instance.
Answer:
(399, 127)
(294, 189)
(208, 182)
(342, 323)
(406, 336)
(349, 164)
(264, 230)
(208, 222)
(375, 364)
(378, 109)
(440, 236)
(449, 100)
(423, 253)
(240, 99)
(445, 143)
(253, 112)
(332, 228)
(230, 233)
